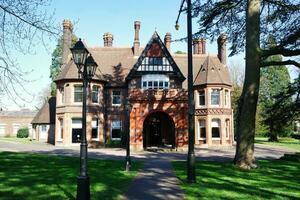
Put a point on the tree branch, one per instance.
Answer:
(292, 38)
(276, 63)
(33, 24)
(280, 51)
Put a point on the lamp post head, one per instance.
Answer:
(91, 66)
(177, 26)
(79, 53)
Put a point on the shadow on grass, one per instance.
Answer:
(275, 179)
(32, 176)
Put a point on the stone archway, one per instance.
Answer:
(158, 130)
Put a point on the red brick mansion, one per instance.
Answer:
(153, 80)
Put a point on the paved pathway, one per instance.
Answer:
(157, 180)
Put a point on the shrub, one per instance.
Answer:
(23, 133)
(296, 136)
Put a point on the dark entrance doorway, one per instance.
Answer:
(158, 131)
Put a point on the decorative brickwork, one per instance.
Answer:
(145, 102)
(212, 111)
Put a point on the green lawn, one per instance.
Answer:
(276, 179)
(31, 176)
(19, 140)
(290, 143)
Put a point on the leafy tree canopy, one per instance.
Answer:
(279, 18)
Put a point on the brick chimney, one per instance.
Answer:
(108, 39)
(67, 41)
(168, 39)
(203, 42)
(222, 48)
(199, 46)
(136, 43)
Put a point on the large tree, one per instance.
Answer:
(285, 110)
(248, 25)
(273, 80)
(24, 24)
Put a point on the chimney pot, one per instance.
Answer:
(196, 43)
(67, 40)
(203, 42)
(108, 39)
(199, 46)
(168, 38)
(136, 43)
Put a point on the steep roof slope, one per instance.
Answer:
(46, 114)
(212, 71)
(114, 64)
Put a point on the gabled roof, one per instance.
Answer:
(212, 71)
(46, 114)
(115, 64)
(156, 39)
(70, 72)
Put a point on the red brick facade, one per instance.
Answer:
(144, 103)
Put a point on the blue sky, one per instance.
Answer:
(93, 18)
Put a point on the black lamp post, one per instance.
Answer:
(191, 171)
(128, 159)
(191, 176)
(86, 70)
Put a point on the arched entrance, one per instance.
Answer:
(158, 130)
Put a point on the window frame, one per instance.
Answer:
(96, 127)
(226, 98)
(199, 129)
(227, 128)
(95, 92)
(61, 129)
(77, 92)
(112, 128)
(42, 127)
(199, 96)
(76, 126)
(113, 95)
(153, 81)
(219, 127)
(211, 97)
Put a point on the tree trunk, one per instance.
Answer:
(244, 156)
(272, 135)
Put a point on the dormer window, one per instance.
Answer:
(155, 64)
(155, 61)
(155, 81)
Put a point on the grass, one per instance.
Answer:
(33, 176)
(289, 143)
(19, 140)
(276, 179)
